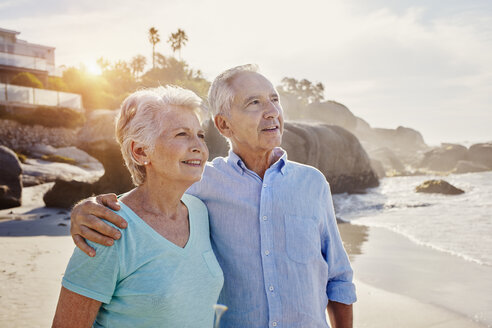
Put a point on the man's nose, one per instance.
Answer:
(272, 110)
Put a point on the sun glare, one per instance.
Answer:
(93, 68)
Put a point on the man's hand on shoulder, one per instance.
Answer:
(86, 222)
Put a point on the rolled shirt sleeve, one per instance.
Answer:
(340, 287)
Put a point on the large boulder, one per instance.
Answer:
(10, 179)
(333, 113)
(48, 164)
(469, 167)
(97, 138)
(391, 163)
(444, 158)
(438, 187)
(481, 154)
(65, 193)
(334, 151)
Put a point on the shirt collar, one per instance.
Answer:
(237, 163)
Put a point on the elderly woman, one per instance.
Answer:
(162, 272)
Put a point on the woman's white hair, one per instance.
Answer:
(220, 94)
(140, 120)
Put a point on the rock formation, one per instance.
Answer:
(438, 187)
(10, 179)
(454, 158)
(333, 150)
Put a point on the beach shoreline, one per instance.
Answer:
(413, 285)
(396, 286)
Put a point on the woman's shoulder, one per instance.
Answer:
(195, 203)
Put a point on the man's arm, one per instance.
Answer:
(341, 315)
(74, 310)
(86, 222)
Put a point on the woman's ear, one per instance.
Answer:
(139, 153)
(222, 124)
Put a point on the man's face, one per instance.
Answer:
(256, 118)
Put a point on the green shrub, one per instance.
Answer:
(26, 79)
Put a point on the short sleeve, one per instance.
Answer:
(93, 277)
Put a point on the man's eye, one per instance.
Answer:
(181, 134)
(201, 136)
(254, 102)
(275, 99)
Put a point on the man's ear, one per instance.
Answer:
(222, 124)
(139, 153)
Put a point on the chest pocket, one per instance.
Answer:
(212, 264)
(302, 238)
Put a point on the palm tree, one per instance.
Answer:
(154, 39)
(178, 40)
(138, 64)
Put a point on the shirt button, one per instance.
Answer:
(264, 185)
(274, 323)
(267, 252)
(271, 288)
(264, 218)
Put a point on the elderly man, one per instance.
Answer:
(272, 222)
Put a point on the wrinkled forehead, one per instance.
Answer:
(247, 84)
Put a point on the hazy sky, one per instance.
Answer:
(420, 64)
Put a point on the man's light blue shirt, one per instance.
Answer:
(277, 242)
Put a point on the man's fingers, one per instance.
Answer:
(105, 213)
(84, 247)
(109, 200)
(93, 222)
(95, 236)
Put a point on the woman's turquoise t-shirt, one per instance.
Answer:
(144, 280)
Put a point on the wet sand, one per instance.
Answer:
(402, 284)
(399, 284)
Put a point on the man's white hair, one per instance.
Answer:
(220, 94)
(140, 119)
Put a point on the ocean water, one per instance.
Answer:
(460, 225)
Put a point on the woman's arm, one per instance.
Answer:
(74, 310)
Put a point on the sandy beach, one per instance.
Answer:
(399, 284)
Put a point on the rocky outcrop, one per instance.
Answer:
(458, 159)
(444, 158)
(65, 194)
(10, 179)
(333, 113)
(23, 137)
(438, 187)
(67, 164)
(97, 138)
(481, 154)
(469, 167)
(390, 162)
(333, 150)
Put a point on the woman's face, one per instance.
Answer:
(180, 151)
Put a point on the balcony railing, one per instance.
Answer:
(20, 61)
(13, 94)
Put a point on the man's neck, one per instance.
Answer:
(259, 162)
